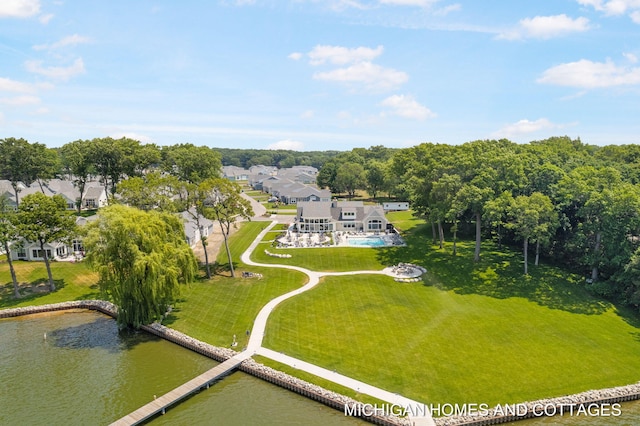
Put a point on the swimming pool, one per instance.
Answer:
(367, 241)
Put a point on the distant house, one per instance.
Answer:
(290, 192)
(194, 233)
(395, 206)
(340, 216)
(235, 173)
(95, 195)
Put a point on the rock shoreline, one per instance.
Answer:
(491, 416)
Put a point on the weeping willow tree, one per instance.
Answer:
(142, 258)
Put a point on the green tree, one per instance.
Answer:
(221, 200)
(46, 163)
(107, 159)
(533, 217)
(376, 177)
(584, 196)
(326, 177)
(16, 163)
(495, 212)
(349, 178)
(152, 191)
(192, 163)
(472, 197)
(45, 220)
(76, 159)
(8, 235)
(142, 258)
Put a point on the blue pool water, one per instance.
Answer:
(367, 241)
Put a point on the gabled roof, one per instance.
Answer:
(314, 209)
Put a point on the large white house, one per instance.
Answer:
(330, 216)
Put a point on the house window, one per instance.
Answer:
(348, 225)
(22, 253)
(39, 254)
(61, 251)
(375, 224)
(77, 246)
(90, 203)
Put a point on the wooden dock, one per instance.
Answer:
(160, 404)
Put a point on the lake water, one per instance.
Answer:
(85, 372)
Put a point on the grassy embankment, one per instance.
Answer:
(472, 332)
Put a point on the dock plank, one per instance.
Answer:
(165, 401)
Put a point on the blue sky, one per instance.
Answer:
(320, 74)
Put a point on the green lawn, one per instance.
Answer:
(470, 333)
(74, 281)
(214, 310)
(325, 259)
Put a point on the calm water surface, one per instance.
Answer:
(86, 373)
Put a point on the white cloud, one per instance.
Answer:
(420, 3)
(56, 73)
(244, 2)
(370, 77)
(448, 9)
(46, 18)
(66, 41)
(131, 135)
(545, 27)
(19, 8)
(296, 56)
(344, 115)
(21, 100)
(611, 7)
(615, 7)
(523, 127)
(308, 114)
(630, 57)
(588, 75)
(8, 85)
(339, 55)
(406, 106)
(287, 144)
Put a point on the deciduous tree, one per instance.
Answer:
(8, 235)
(45, 220)
(142, 258)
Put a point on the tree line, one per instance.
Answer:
(578, 204)
(559, 198)
(137, 244)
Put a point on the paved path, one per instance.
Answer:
(257, 335)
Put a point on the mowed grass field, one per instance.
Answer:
(471, 333)
(214, 310)
(74, 281)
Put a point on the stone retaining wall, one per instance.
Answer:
(107, 308)
(314, 392)
(564, 404)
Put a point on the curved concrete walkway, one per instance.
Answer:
(257, 335)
